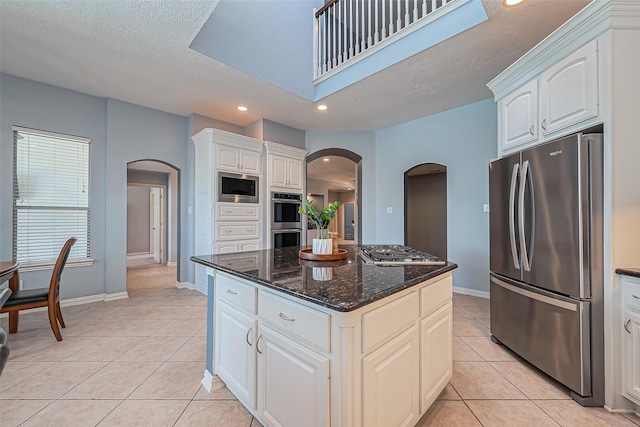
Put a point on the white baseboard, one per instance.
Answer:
(186, 285)
(80, 300)
(172, 263)
(471, 292)
(211, 382)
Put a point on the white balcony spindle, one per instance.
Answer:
(406, 13)
(351, 41)
(325, 42)
(384, 22)
(434, 5)
(357, 34)
(391, 17)
(415, 10)
(375, 31)
(334, 37)
(370, 38)
(363, 37)
(399, 19)
(344, 49)
(424, 8)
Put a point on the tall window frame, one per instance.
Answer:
(51, 197)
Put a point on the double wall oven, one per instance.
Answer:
(286, 221)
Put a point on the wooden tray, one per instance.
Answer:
(335, 256)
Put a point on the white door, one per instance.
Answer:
(390, 383)
(155, 207)
(293, 383)
(235, 353)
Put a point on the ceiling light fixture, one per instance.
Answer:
(242, 108)
(508, 3)
(322, 107)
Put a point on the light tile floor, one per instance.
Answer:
(139, 362)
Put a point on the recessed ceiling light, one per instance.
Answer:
(508, 3)
(326, 159)
(242, 108)
(322, 107)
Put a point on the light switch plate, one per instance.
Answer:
(389, 209)
(486, 208)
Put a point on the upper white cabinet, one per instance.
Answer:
(631, 338)
(562, 95)
(569, 90)
(518, 116)
(234, 159)
(285, 167)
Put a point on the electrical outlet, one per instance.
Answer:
(485, 207)
(389, 209)
(189, 210)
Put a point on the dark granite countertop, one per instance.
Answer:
(634, 272)
(353, 283)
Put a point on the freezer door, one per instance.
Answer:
(503, 222)
(551, 333)
(550, 214)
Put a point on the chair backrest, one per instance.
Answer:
(54, 286)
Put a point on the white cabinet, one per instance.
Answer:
(631, 339)
(293, 382)
(563, 95)
(285, 172)
(569, 90)
(236, 356)
(236, 159)
(436, 345)
(518, 116)
(391, 379)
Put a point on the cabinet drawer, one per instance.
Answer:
(237, 230)
(434, 295)
(238, 211)
(306, 323)
(631, 292)
(235, 292)
(386, 321)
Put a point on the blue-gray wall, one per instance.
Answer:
(464, 140)
(40, 106)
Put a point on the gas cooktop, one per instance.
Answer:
(396, 255)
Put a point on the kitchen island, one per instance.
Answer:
(341, 343)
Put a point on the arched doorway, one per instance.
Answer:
(335, 174)
(153, 217)
(425, 208)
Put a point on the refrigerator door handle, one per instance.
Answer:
(521, 216)
(512, 207)
(535, 296)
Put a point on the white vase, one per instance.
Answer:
(322, 246)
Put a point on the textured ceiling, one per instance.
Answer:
(138, 52)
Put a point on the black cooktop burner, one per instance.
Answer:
(397, 254)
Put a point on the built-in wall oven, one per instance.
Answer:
(286, 221)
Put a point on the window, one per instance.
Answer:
(51, 196)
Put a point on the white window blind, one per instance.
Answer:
(51, 196)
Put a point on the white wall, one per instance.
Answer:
(464, 140)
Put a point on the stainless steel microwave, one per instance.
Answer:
(237, 188)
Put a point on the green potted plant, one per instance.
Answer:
(321, 218)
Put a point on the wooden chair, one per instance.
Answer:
(41, 297)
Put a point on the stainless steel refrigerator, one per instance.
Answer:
(546, 260)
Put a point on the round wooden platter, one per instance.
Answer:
(335, 256)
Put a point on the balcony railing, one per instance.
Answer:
(345, 29)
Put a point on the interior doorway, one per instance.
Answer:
(335, 174)
(425, 208)
(153, 200)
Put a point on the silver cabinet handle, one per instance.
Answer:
(229, 291)
(626, 322)
(544, 124)
(228, 212)
(531, 130)
(258, 345)
(287, 318)
(249, 230)
(636, 296)
(228, 231)
(247, 337)
(250, 212)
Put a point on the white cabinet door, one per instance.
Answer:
(227, 157)
(249, 245)
(293, 383)
(250, 162)
(235, 352)
(569, 91)
(225, 247)
(518, 116)
(436, 355)
(631, 356)
(294, 169)
(390, 382)
(278, 171)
